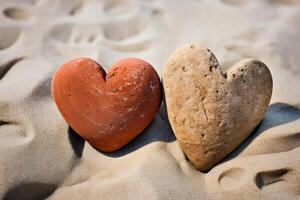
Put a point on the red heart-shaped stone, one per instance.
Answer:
(108, 110)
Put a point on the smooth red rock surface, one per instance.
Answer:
(108, 110)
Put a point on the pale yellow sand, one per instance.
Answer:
(40, 158)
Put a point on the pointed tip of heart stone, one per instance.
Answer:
(108, 110)
(212, 112)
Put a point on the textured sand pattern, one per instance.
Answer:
(41, 157)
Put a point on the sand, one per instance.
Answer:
(41, 158)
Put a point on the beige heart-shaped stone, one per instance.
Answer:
(212, 112)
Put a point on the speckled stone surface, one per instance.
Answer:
(212, 112)
(107, 110)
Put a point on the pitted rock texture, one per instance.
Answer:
(212, 112)
(107, 110)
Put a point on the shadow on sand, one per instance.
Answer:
(158, 130)
(277, 114)
(76, 141)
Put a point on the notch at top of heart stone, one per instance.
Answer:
(108, 110)
(212, 112)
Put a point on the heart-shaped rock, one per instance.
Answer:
(211, 113)
(107, 110)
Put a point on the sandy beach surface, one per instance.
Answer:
(42, 158)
